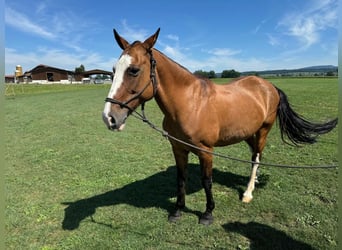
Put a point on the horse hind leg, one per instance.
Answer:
(247, 195)
(257, 144)
(206, 161)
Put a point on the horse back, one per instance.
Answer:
(252, 91)
(242, 107)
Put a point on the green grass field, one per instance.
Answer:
(72, 184)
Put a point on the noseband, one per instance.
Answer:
(152, 80)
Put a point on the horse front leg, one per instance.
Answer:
(181, 157)
(206, 162)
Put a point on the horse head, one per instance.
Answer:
(134, 81)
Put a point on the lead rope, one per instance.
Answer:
(165, 134)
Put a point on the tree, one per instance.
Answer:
(230, 74)
(212, 74)
(205, 74)
(201, 73)
(80, 69)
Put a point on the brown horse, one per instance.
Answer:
(202, 113)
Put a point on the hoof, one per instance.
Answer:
(175, 216)
(247, 199)
(206, 219)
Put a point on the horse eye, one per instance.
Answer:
(133, 71)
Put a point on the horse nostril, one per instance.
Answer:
(112, 122)
(111, 119)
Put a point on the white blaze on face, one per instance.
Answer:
(120, 69)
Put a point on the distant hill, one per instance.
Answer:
(320, 67)
(306, 71)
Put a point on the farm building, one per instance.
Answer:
(89, 73)
(46, 73)
(15, 77)
(9, 78)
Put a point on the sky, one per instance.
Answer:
(214, 35)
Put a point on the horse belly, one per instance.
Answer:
(240, 128)
(233, 136)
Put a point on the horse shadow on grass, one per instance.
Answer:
(264, 237)
(154, 191)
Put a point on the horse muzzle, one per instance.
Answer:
(114, 122)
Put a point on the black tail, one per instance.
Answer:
(295, 127)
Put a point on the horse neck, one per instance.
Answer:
(174, 82)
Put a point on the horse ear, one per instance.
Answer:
(152, 39)
(121, 41)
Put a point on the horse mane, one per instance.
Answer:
(173, 61)
(205, 82)
(181, 66)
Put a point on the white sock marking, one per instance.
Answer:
(123, 63)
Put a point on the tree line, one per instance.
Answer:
(233, 74)
(211, 74)
(206, 74)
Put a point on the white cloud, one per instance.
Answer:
(173, 52)
(56, 30)
(308, 24)
(58, 27)
(132, 34)
(41, 7)
(218, 64)
(23, 23)
(173, 37)
(67, 37)
(272, 40)
(305, 30)
(224, 52)
(258, 27)
(56, 58)
(218, 59)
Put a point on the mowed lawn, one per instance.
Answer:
(72, 184)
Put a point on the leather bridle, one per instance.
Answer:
(153, 81)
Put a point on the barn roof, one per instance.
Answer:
(96, 71)
(43, 67)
